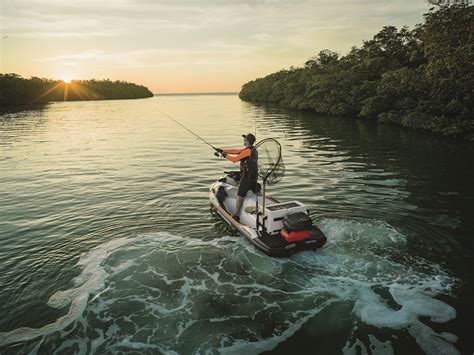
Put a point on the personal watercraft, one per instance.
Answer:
(278, 229)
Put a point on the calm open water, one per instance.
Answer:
(108, 242)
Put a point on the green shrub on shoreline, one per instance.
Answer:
(16, 90)
(421, 78)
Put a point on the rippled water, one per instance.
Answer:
(109, 244)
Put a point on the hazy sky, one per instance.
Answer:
(185, 46)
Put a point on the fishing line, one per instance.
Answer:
(255, 123)
(187, 129)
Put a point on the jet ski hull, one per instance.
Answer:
(223, 197)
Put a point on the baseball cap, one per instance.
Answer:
(250, 137)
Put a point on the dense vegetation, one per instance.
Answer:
(421, 78)
(17, 90)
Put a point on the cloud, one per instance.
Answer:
(216, 54)
(252, 36)
(89, 54)
(200, 18)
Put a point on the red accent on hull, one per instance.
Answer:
(292, 237)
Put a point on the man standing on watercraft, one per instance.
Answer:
(248, 158)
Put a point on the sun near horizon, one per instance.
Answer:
(183, 47)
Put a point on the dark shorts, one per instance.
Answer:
(245, 184)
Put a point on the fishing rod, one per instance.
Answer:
(187, 129)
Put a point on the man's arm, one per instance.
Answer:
(233, 151)
(243, 154)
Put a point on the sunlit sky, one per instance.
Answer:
(185, 46)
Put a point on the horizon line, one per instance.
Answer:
(198, 93)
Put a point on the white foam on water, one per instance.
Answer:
(407, 281)
(376, 347)
(357, 347)
(379, 347)
(180, 295)
(88, 282)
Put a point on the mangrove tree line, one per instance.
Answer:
(421, 78)
(15, 90)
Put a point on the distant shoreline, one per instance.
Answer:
(16, 90)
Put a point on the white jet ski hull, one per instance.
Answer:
(223, 196)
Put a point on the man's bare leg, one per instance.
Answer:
(238, 206)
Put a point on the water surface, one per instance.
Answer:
(108, 241)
